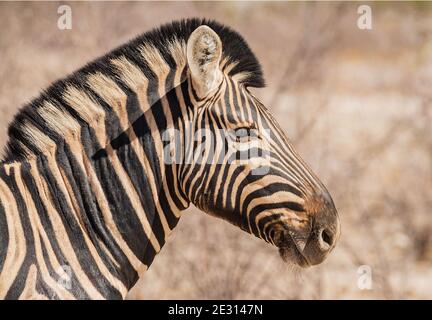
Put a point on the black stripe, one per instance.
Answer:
(18, 284)
(269, 207)
(143, 133)
(73, 230)
(43, 214)
(4, 236)
(140, 182)
(41, 286)
(266, 220)
(177, 117)
(124, 215)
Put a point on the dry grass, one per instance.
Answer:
(357, 105)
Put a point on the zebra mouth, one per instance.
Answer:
(293, 255)
(290, 251)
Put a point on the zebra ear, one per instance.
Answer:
(204, 52)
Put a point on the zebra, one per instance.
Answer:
(89, 193)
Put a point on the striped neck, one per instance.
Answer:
(102, 212)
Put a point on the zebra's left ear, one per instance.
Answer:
(204, 52)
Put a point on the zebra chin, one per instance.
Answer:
(293, 256)
(290, 250)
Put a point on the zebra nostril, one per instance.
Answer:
(326, 239)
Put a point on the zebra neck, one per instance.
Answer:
(105, 218)
(92, 170)
(106, 211)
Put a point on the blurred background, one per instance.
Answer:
(355, 103)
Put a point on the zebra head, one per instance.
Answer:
(241, 167)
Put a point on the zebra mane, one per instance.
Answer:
(34, 123)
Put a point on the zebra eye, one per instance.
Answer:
(244, 134)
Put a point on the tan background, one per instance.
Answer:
(356, 104)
